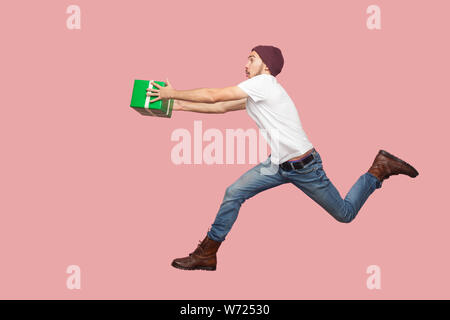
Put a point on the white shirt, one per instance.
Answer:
(275, 114)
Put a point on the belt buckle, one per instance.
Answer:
(291, 166)
(288, 166)
(302, 163)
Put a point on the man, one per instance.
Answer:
(293, 158)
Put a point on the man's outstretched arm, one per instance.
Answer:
(218, 107)
(205, 95)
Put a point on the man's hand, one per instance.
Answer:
(166, 92)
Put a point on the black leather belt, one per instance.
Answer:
(297, 164)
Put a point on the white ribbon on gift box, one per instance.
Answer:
(147, 102)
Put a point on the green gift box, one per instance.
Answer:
(143, 103)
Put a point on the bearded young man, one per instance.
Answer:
(293, 158)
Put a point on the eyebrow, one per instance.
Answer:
(251, 56)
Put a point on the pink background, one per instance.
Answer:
(87, 181)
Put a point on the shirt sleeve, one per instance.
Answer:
(255, 87)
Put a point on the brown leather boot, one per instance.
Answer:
(386, 165)
(203, 258)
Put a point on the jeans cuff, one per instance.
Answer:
(378, 183)
(212, 238)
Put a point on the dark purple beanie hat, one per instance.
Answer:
(272, 57)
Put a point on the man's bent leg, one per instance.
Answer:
(318, 187)
(249, 184)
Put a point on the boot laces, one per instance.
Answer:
(199, 246)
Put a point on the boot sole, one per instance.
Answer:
(387, 154)
(194, 268)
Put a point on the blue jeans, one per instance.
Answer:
(311, 179)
